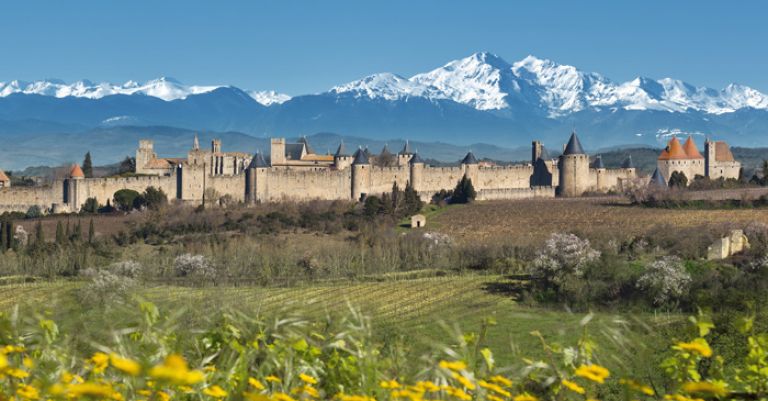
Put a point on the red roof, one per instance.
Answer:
(3, 177)
(690, 149)
(674, 151)
(76, 172)
(723, 152)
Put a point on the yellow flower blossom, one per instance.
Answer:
(175, 370)
(454, 366)
(351, 397)
(428, 386)
(465, 382)
(637, 386)
(492, 397)
(573, 386)
(125, 365)
(458, 393)
(28, 362)
(100, 362)
(596, 373)
(89, 389)
(282, 397)
(163, 396)
(255, 383)
(255, 397)
(3, 362)
(697, 346)
(307, 378)
(494, 387)
(215, 391)
(308, 390)
(525, 397)
(389, 384)
(16, 373)
(272, 379)
(501, 380)
(11, 349)
(716, 388)
(678, 397)
(27, 392)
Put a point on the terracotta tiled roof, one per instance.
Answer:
(723, 152)
(3, 177)
(674, 151)
(690, 149)
(158, 163)
(76, 172)
(322, 158)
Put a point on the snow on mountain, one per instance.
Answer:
(268, 98)
(163, 88)
(382, 86)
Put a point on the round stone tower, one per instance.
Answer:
(574, 169)
(416, 165)
(361, 175)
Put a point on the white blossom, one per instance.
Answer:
(665, 279)
(564, 256)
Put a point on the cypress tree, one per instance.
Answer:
(88, 166)
(9, 235)
(39, 235)
(60, 238)
(2, 237)
(77, 235)
(91, 232)
(69, 231)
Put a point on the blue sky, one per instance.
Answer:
(308, 46)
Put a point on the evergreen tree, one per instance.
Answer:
(88, 166)
(60, 238)
(39, 235)
(91, 232)
(77, 235)
(9, 242)
(395, 199)
(68, 232)
(2, 237)
(412, 201)
(678, 179)
(464, 191)
(372, 206)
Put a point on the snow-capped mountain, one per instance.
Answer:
(268, 98)
(484, 81)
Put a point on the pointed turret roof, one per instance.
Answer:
(544, 154)
(469, 158)
(385, 151)
(574, 146)
(360, 157)
(598, 163)
(416, 159)
(196, 143)
(304, 140)
(258, 161)
(341, 151)
(690, 149)
(76, 172)
(406, 148)
(628, 162)
(657, 179)
(674, 151)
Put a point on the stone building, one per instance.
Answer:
(5, 182)
(294, 172)
(716, 162)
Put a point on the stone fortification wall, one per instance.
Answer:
(232, 185)
(507, 177)
(726, 169)
(604, 180)
(382, 179)
(434, 179)
(515, 193)
(103, 189)
(20, 199)
(299, 185)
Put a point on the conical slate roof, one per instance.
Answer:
(416, 159)
(341, 151)
(303, 140)
(258, 161)
(598, 163)
(574, 146)
(628, 162)
(385, 151)
(367, 152)
(406, 149)
(360, 157)
(544, 154)
(469, 158)
(657, 179)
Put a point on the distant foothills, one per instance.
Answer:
(480, 99)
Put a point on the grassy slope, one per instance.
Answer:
(424, 310)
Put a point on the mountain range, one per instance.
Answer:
(479, 98)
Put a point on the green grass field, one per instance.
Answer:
(425, 312)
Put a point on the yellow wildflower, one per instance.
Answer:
(352, 397)
(215, 391)
(716, 388)
(175, 370)
(100, 362)
(455, 365)
(573, 386)
(89, 389)
(596, 373)
(389, 384)
(209, 368)
(272, 379)
(492, 397)
(307, 378)
(458, 393)
(466, 383)
(637, 386)
(16, 373)
(28, 362)
(3, 362)
(163, 396)
(494, 387)
(282, 397)
(428, 386)
(255, 383)
(27, 392)
(525, 397)
(255, 397)
(125, 365)
(501, 380)
(697, 346)
(307, 389)
(678, 397)
(10, 349)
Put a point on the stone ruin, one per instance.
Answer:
(736, 241)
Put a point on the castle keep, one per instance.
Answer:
(717, 161)
(294, 172)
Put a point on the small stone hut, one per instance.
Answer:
(418, 221)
